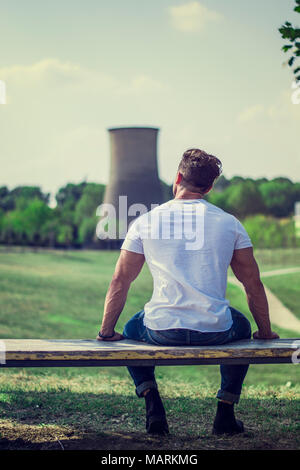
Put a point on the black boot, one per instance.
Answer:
(225, 422)
(156, 422)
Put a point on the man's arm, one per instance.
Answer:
(246, 270)
(127, 269)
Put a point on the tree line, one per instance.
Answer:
(266, 208)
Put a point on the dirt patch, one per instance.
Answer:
(28, 437)
(105, 441)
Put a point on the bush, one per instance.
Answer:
(269, 232)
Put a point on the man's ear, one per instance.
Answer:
(178, 178)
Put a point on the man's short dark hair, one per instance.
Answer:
(199, 169)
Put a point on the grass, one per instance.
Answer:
(287, 289)
(278, 258)
(103, 411)
(60, 294)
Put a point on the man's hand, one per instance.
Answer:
(115, 337)
(246, 270)
(260, 335)
(127, 269)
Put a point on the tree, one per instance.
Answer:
(221, 183)
(292, 34)
(237, 180)
(28, 193)
(278, 196)
(244, 199)
(91, 198)
(69, 195)
(65, 235)
(6, 201)
(19, 197)
(35, 215)
(218, 198)
(12, 228)
(270, 232)
(87, 231)
(296, 192)
(50, 230)
(1, 218)
(23, 226)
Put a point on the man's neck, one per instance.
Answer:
(183, 193)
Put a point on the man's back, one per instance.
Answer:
(188, 246)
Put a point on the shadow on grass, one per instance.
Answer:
(78, 421)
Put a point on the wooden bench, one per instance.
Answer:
(82, 353)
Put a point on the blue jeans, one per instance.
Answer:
(232, 376)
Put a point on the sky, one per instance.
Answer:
(209, 74)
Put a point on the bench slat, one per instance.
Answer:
(69, 352)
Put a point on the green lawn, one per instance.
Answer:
(60, 294)
(287, 289)
(277, 258)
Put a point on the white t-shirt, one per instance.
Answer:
(188, 245)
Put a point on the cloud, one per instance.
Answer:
(251, 113)
(266, 137)
(41, 70)
(47, 78)
(54, 125)
(54, 77)
(285, 108)
(281, 110)
(141, 84)
(192, 17)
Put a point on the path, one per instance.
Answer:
(279, 314)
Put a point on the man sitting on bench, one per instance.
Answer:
(188, 245)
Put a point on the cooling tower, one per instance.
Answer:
(133, 169)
